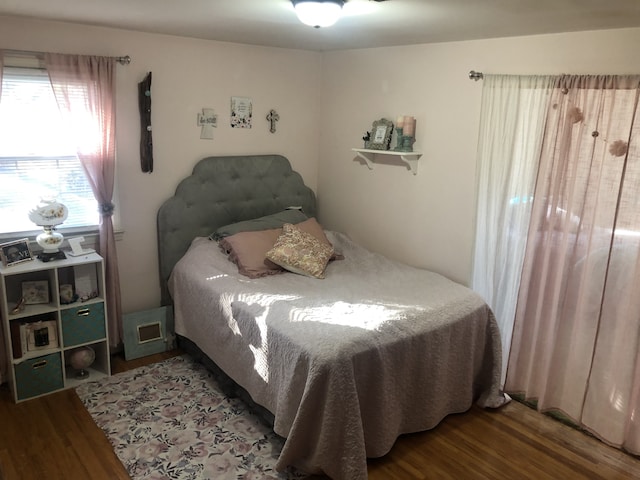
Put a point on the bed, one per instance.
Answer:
(343, 364)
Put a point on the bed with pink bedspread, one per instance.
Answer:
(345, 364)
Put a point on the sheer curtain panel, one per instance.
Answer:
(513, 112)
(576, 337)
(85, 91)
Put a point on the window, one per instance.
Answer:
(37, 160)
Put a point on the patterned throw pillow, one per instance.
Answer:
(300, 252)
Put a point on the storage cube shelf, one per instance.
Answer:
(40, 338)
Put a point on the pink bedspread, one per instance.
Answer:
(345, 364)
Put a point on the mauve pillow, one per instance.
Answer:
(312, 226)
(248, 250)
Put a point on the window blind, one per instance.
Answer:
(37, 159)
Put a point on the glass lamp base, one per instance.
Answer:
(50, 240)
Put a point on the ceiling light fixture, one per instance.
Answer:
(318, 13)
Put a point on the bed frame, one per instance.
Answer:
(224, 190)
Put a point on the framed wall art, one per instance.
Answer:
(36, 291)
(241, 112)
(41, 335)
(380, 137)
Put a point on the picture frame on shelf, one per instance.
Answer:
(41, 335)
(380, 137)
(35, 292)
(66, 294)
(15, 252)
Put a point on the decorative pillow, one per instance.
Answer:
(300, 252)
(248, 250)
(312, 226)
(275, 220)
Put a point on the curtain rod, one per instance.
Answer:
(124, 60)
(473, 75)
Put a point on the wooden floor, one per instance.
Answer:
(53, 437)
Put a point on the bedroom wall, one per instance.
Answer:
(326, 102)
(427, 220)
(188, 75)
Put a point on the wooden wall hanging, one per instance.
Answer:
(146, 142)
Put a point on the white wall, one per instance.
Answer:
(188, 75)
(427, 220)
(326, 103)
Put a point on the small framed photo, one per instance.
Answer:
(41, 335)
(15, 252)
(66, 294)
(380, 137)
(36, 291)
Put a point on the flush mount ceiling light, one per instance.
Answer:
(318, 13)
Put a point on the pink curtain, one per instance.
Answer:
(84, 87)
(576, 340)
(3, 356)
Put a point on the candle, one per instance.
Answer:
(399, 122)
(409, 126)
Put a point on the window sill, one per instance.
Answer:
(90, 237)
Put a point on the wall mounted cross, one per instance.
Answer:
(208, 121)
(273, 117)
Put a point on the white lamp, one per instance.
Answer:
(48, 215)
(318, 13)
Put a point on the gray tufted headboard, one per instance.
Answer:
(224, 190)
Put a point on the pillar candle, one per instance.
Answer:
(399, 122)
(409, 128)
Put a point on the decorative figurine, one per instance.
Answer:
(19, 306)
(366, 139)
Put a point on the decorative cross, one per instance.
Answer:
(273, 117)
(207, 120)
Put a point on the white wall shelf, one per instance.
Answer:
(410, 158)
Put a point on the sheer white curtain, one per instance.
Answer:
(513, 112)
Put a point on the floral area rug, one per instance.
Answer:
(170, 420)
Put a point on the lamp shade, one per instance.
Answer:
(48, 213)
(318, 13)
